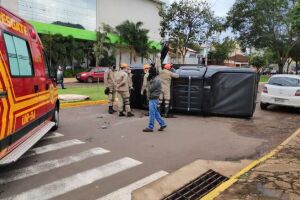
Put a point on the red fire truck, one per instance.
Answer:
(29, 105)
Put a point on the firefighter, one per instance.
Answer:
(166, 77)
(109, 81)
(144, 89)
(130, 84)
(122, 88)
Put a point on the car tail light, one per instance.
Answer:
(265, 89)
(297, 93)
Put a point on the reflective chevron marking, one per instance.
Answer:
(52, 147)
(18, 174)
(125, 192)
(76, 181)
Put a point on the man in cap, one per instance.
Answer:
(166, 77)
(122, 88)
(109, 81)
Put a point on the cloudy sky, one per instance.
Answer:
(221, 7)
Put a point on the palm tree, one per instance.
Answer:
(135, 37)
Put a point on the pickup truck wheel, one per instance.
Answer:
(90, 80)
(264, 106)
(55, 119)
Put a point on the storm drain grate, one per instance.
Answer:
(198, 187)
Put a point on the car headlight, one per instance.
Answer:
(83, 74)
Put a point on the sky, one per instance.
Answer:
(220, 7)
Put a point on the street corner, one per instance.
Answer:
(275, 175)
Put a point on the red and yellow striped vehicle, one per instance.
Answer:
(29, 104)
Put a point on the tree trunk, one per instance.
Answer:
(130, 56)
(280, 67)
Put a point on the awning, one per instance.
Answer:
(79, 33)
(63, 30)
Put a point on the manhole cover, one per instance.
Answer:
(198, 187)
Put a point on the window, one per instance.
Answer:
(18, 55)
(285, 81)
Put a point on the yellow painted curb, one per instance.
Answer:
(221, 188)
(83, 103)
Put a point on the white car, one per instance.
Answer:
(283, 90)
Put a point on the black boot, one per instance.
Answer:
(121, 114)
(129, 114)
(111, 110)
(166, 115)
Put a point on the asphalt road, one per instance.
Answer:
(96, 154)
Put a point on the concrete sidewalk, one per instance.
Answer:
(275, 178)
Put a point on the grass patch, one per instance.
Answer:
(95, 92)
(264, 78)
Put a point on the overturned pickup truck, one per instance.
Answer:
(213, 90)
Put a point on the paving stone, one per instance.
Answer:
(283, 185)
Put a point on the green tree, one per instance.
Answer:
(135, 37)
(257, 61)
(184, 23)
(266, 24)
(64, 50)
(295, 55)
(100, 44)
(221, 51)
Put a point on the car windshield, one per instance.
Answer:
(284, 81)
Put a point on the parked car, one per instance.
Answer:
(273, 71)
(29, 104)
(283, 90)
(91, 75)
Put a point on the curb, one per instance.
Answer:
(221, 188)
(83, 103)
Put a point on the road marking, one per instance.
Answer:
(76, 181)
(53, 135)
(48, 165)
(52, 147)
(125, 192)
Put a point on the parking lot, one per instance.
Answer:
(110, 153)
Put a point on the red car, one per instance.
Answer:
(94, 74)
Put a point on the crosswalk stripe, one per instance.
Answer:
(76, 181)
(52, 147)
(125, 192)
(48, 165)
(53, 135)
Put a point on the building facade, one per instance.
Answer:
(90, 14)
(80, 12)
(114, 12)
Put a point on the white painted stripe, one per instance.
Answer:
(76, 181)
(53, 135)
(18, 174)
(125, 192)
(52, 147)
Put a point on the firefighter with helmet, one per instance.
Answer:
(109, 81)
(166, 77)
(122, 88)
(144, 89)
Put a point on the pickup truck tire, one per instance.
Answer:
(55, 119)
